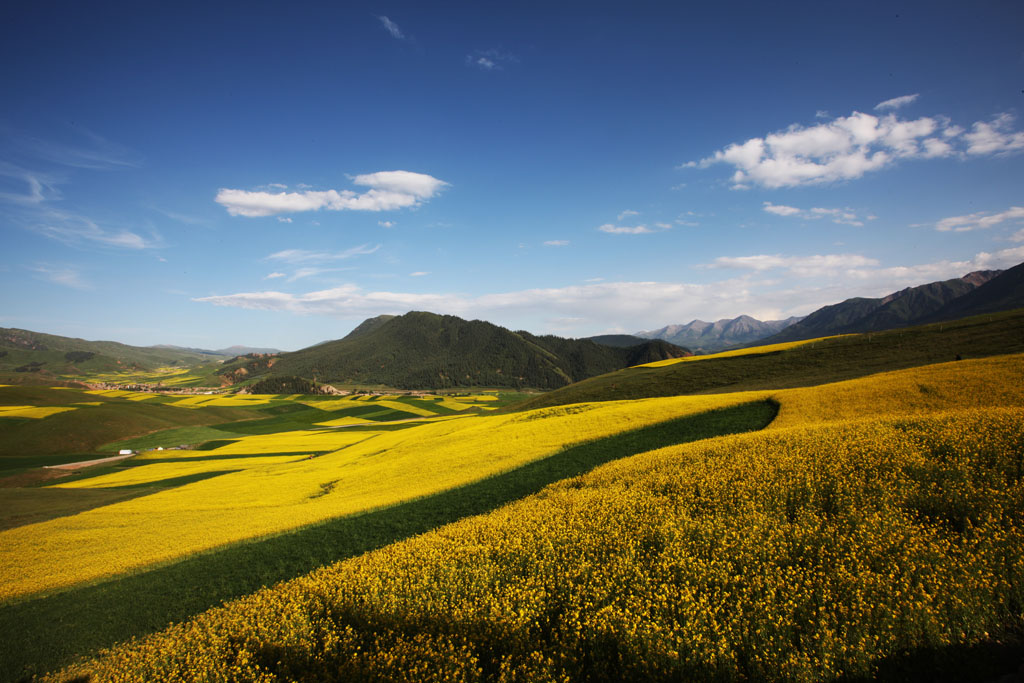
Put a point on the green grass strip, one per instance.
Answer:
(47, 633)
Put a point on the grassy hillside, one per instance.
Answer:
(873, 530)
(428, 351)
(803, 364)
(55, 356)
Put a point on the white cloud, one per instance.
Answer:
(1017, 236)
(979, 221)
(627, 213)
(848, 147)
(896, 102)
(392, 28)
(994, 137)
(556, 243)
(305, 256)
(282, 219)
(803, 266)
(841, 216)
(624, 230)
(419, 273)
(780, 210)
(386, 224)
(490, 60)
(389, 190)
(643, 305)
(60, 275)
(274, 276)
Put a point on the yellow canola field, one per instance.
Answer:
(230, 400)
(35, 412)
(802, 554)
(396, 466)
(750, 351)
(385, 469)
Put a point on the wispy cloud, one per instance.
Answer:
(980, 220)
(294, 256)
(842, 216)
(490, 60)
(90, 151)
(386, 224)
(60, 275)
(389, 190)
(849, 147)
(627, 213)
(75, 230)
(27, 188)
(282, 219)
(419, 273)
(896, 102)
(275, 275)
(813, 281)
(556, 243)
(392, 28)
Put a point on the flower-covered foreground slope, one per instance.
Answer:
(801, 553)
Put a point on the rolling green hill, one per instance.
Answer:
(424, 350)
(824, 360)
(23, 351)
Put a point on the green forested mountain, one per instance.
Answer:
(48, 354)
(428, 351)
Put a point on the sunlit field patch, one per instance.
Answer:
(749, 351)
(375, 470)
(34, 412)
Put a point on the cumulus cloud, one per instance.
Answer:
(995, 137)
(305, 256)
(850, 146)
(896, 102)
(813, 281)
(392, 28)
(840, 216)
(979, 221)
(389, 190)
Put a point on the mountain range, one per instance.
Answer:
(421, 350)
(977, 292)
(704, 337)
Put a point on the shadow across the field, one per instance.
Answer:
(45, 633)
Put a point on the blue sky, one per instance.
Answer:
(273, 173)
